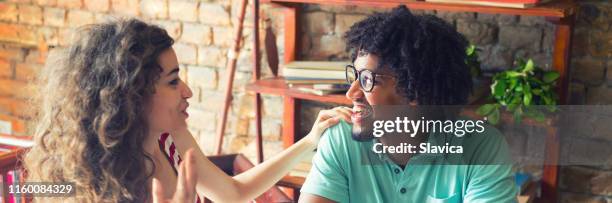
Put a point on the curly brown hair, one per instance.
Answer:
(92, 118)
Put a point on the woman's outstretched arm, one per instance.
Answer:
(217, 186)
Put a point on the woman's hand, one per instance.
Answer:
(185, 186)
(326, 119)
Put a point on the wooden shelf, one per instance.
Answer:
(559, 9)
(277, 86)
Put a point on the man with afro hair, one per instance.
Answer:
(400, 59)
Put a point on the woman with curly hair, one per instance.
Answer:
(112, 121)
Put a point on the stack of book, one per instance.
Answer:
(496, 3)
(316, 77)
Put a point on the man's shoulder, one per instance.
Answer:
(337, 134)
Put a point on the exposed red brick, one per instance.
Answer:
(186, 53)
(18, 34)
(97, 5)
(54, 16)
(30, 14)
(70, 3)
(183, 10)
(8, 12)
(11, 88)
(26, 72)
(15, 107)
(6, 69)
(126, 7)
(155, 9)
(12, 53)
(49, 36)
(78, 18)
(46, 2)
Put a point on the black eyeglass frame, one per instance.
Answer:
(358, 75)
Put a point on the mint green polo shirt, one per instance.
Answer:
(345, 170)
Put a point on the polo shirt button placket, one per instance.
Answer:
(403, 190)
(397, 171)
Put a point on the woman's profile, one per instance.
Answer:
(111, 120)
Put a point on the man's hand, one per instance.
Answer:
(185, 186)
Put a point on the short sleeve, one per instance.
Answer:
(328, 177)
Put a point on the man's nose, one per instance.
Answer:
(354, 93)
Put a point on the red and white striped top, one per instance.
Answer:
(166, 144)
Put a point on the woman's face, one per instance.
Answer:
(169, 102)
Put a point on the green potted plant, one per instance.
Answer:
(520, 91)
(481, 83)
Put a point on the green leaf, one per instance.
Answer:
(529, 66)
(513, 83)
(485, 109)
(519, 87)
(499, 87)
(513, 74)
(470, 49)
(527, 98)
(527, 94)
(550, 76)
(536, 91)
(494, 117)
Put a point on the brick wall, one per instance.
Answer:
(32, 29)
(203, 30)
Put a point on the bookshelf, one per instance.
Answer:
(561, 13)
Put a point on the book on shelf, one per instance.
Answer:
(314, 70)
(321, 89)
(495, 3)
(314, 73)
(301, 80)
(317, 65)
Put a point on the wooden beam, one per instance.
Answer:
(558, 8)
(290, 16)
(561, 63)
(562, 54)
(291, 120)
(256, 75)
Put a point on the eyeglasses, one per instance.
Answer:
(367, 78)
